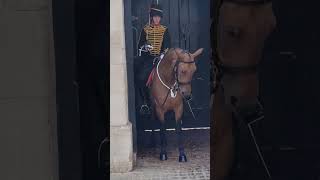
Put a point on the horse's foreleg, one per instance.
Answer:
(223, 154)
(223, 139)
(163, 142)
(178, 117)
(182, 156)
(163, 139)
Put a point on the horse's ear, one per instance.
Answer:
(197, 53)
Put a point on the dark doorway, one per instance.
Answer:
(187, 21)
(189, 28)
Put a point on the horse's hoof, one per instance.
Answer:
(182, 158)
(163, 156)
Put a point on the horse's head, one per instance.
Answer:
(242, 30)
(184, 68)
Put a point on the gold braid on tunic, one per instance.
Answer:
(154, 35)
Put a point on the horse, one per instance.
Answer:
(240, 30)
(170, 86)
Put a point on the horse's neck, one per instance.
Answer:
(166, 70)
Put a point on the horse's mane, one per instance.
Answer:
(176, 51)
(169, 52)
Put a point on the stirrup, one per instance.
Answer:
(145, 109)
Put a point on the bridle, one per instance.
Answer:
(177, 83)
(176, 69)
(220, 69)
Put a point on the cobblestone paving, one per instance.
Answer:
(150, 167)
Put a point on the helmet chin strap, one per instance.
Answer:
(149, 18)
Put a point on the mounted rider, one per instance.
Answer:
(154, 41)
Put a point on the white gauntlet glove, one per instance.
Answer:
(148, 47)
(145, 48)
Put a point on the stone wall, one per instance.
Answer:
(27, 97)
(121, 146)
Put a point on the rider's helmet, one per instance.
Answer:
(156, 10)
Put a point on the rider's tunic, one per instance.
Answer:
(156, 36)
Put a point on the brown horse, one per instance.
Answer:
(241, 27)
(170, 86)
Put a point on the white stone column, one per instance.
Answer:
(121, 142)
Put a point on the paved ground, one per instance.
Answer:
(150, 167)
(303, 163)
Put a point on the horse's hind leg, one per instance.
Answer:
(154, 123)
(163, 138)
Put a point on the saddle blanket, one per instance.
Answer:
(150, 78)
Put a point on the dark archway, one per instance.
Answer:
(188, 25)
(189, 28)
